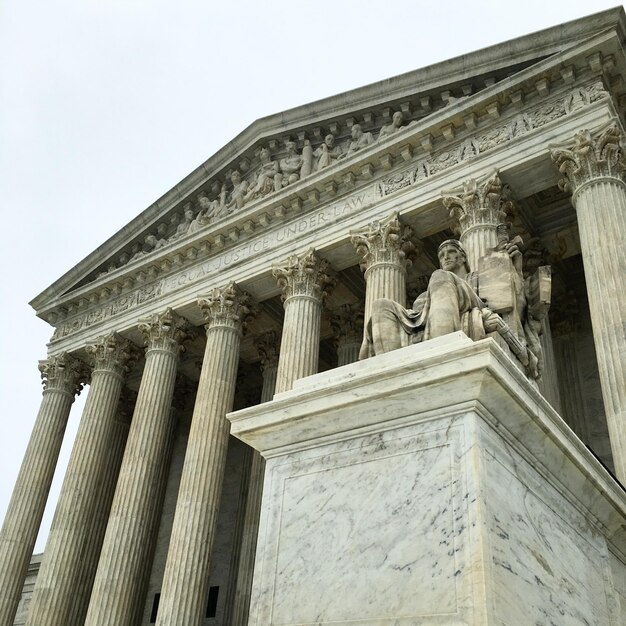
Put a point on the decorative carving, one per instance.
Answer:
(452, 303)
(65, 373)
(347, 323)
(239, 191)
(384, 241)
(390, 129)
(478, 203)
(266, 177)
(268, 346)
(359, 140)
(166, 331)
(112, 353)
(520, 125)
(305, 275)
(590, 156)
(228, 306)
(327, 153)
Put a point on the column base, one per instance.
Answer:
(431, 485)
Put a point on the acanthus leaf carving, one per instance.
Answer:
(591, 155)
(305, 275)
(228, 306)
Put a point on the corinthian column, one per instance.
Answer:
(267, 345)
(347, 323)
(106, 491)
(63, 377)
(127, 547)
(305, 281)
(386, 252)
(593, 165)
(55, 588)
(478, 208)
(186, 578)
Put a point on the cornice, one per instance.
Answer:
(388, 92)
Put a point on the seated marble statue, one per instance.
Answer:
(395, 125)
(449, 304)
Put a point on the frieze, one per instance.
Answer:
(519, 125)
(237, 254)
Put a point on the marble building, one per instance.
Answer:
(247, 291)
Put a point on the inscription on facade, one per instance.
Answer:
(220, 262)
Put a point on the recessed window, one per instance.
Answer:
(155, 608)
(211, 605)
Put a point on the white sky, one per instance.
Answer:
(105, 105)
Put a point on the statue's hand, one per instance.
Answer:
(491, 320)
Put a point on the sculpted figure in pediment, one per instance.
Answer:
(327, 152)
(359, 139)
(238, 194)
(183, 227)
(394, 126)
(290, 165)
(268, 178)
(307, 159)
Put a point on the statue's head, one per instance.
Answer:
(454, 247)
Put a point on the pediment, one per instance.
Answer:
(287, 162)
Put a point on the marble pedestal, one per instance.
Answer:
(431, 485)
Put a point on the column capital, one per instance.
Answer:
(228, 306)
(268, 347)
(165, 331)
(479, 202)
(305, 275)
(64, 372)
(590, 156)
(385, 241)
(347, 323)
(112, 353)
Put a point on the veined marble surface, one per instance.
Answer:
(431, 486)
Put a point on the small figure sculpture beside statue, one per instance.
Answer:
(494, 299)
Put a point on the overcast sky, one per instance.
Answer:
(105, 105)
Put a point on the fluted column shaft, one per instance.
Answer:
(102, 508)
(386, 251)
(299, 347)
(63, 376)
(127, 547)
(186, 578)
(478, 208)
(549, 381)
(56, 583)
(267, 347)
(593, 165)
(305, 281)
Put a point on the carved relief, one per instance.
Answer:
(65, 373)
(165, 331)
(227, 306)
(591, 155)
(112, 353)
(384, 241)
(305, 275)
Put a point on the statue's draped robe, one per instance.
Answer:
(448, 305)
